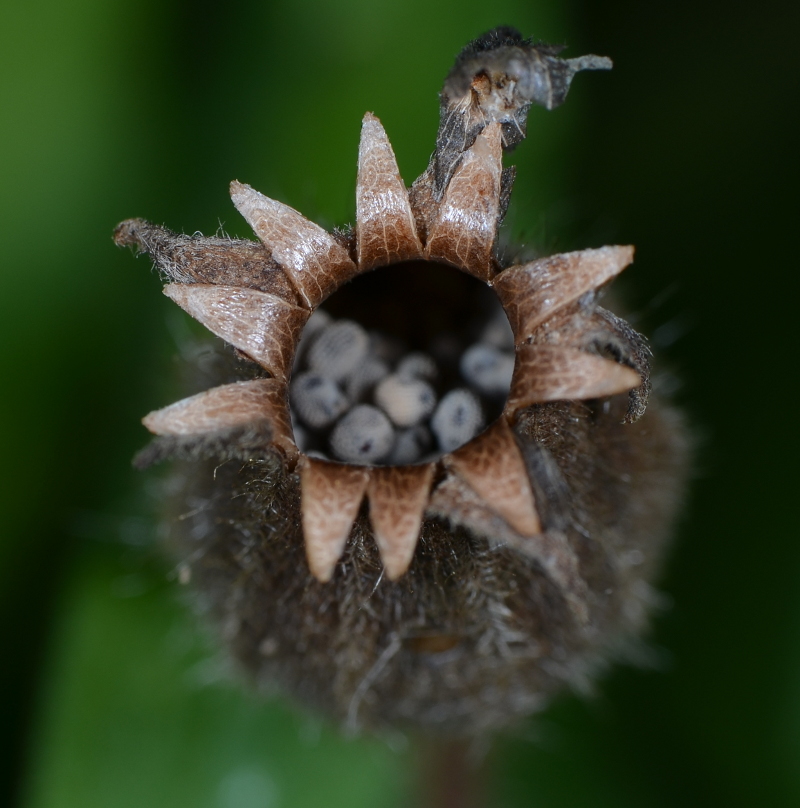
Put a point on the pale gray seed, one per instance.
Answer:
(363, 436)
(498, 332)
(338, 349)
(365, 377)
(316, 323)
(405, 401)
(457, 419)
(300, 435)
(386, 348)
(488, 369)
(417, 366)
(317, 400)
(410, 445)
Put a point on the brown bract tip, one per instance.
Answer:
(331, 494)
(385, 226)
(555, 373)
(493, 467)
(533, 292)
(314, 261)
(464, 229)
(263, 326)
(126, 234)
(226, 407)
(397, 497)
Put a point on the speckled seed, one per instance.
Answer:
(317, 400)
(405, 401)
(417, 366)
(338, 349)
(387, 349)
(488, 369)
(498, 333)
(316, 323)
(365, 377)
(411, 445)
(457, 419)
(300, 436)
(364, 435)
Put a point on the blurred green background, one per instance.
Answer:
(110, 694)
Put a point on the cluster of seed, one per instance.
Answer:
(359, 397)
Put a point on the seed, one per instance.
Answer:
(410, 445)
(406, 401)
(316, 323)
(317, 400)
(364, 435)
(417, 366)
(365, 377)
(457, 419)
(498, 333)
(338, 349)
(488, 369)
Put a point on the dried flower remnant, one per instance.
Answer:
(435, 525)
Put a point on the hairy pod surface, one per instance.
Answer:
(373, 526)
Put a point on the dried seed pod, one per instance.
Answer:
(514, 546)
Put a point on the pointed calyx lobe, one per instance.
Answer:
(558, 372)
(232, 405)
(385, 227)
(331, 494)
(398, 496)
(533, 292)
(493, 467)
(263, 326)
(202, 259)
(314, 261)
(464, 228)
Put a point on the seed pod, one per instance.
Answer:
(454, 595)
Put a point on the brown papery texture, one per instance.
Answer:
(314, 261)
(397, 499)
(464, 231)
(263, 326)
(385, 227)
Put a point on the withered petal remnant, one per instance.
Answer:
(529, 549)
